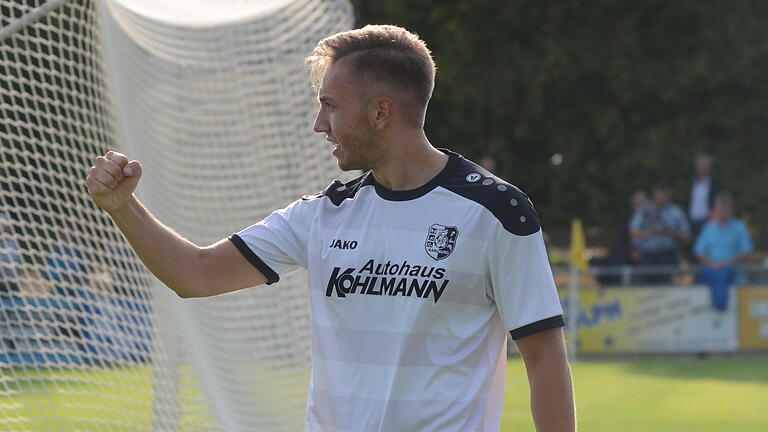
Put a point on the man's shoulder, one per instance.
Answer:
(674, 210)
(508, 204)
(739, 225)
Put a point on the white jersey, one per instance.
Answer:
(412, 293)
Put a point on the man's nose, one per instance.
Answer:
(321, 124)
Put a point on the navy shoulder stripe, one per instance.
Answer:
(337, 191)
(506, 202)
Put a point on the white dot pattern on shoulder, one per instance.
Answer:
(522, 218)
(513, 202)
(487, 182)
(501, 188)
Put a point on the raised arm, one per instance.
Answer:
(188, 269)
(549, 378)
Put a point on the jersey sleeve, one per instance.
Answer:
(522, 285)
(278, 243)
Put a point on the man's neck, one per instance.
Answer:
(409, 163)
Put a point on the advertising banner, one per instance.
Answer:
(753, 318)
(666, 319)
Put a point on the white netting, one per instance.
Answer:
(218, 109)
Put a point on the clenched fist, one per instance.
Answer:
(112, 179)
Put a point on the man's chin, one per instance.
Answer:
(346, 165)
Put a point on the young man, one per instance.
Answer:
(416, 270)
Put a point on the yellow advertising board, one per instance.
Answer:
(753, 318)
(647, 320)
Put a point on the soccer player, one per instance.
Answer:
(417, 269)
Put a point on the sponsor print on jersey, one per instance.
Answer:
(441, 240)
(403, 279)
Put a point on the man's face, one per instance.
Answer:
(703, 167)
(344, 120)
(723, 212)
(662, 197)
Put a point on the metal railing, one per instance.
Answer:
(632, 275)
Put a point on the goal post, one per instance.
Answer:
(218, 108)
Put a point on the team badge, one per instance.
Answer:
(441, 240)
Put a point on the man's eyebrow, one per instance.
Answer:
(325, 98)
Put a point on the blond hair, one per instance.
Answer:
(384, 58)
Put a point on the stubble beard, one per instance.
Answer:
(359, 149)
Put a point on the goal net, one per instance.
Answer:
(212, 97)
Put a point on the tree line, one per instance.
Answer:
(625, 92)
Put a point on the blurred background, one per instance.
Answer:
(583, 103)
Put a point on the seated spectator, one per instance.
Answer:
(723, 243)
(657, 234)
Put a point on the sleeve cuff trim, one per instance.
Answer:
(254, 259)
(535, 327)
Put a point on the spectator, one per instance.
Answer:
(722, 244)
(489, 163)
(640, 206)
(622, 250)
(10, 258)
(657, 234)
(704, 189)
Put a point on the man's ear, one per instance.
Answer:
(383, 112)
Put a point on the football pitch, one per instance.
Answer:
(677, 395)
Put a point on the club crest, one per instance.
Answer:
(441, 240)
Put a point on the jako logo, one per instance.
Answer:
(343, 244)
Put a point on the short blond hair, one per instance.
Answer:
(381, 56)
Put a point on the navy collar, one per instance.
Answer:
(405, 195)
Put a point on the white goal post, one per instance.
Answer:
(213, 98)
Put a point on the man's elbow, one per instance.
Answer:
(187, 291)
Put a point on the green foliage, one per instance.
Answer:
(627, 92)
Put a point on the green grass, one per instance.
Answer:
(659, 395)
(676, 395)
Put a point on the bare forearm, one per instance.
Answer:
(173, 259)
(552, 405)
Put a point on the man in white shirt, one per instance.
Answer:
(702, 194)
(417, 269)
